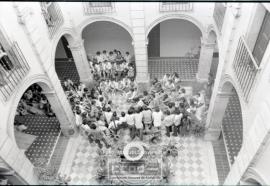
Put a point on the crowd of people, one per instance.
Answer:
(112, 66)
(165, 106)
(33, 102)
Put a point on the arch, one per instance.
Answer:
(91, 20)
(253, 176)
(228, 79)
(226, 84)
(71, 37)
(176, 16)
(41, 80)
(232, 123)
(212, 37)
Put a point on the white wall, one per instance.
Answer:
(177, 37)
(263, 164)
(103, 35)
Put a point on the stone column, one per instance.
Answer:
(215, 116)
(82, 65)
(63, 112)
(205, 61)
(140, 44)
(15, 159)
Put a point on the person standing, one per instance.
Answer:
(138, 122)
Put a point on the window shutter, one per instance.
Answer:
(262, 39)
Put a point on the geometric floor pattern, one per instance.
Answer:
(194, 165)
(233, 127)
(67, 69)
(191, 166)
(47, 130)
(185, 67)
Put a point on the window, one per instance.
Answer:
(175, 6)
(98, 7)
(262, 39)
(5, 62)
(46, 8)
(52, 15)
(100, 4)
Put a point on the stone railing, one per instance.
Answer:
(245, 67)
(175, 6)
(13, 69)
(98, 7)
(219, 13)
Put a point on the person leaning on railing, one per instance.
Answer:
(5, 61)
(46, 14)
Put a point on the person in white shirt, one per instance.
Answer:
(85, 129)
(147, 118)
(104, 56)
(138, 122)
(123, 120)
(78, 118)
(111, 57)
(131, 95)
(131, 122)
(97, 69)
(140, 103)
(108, 115)
(127, 57)
(98, 57)
(200, 106)
(157, 118)
(108, 67)
(177, 123)
(80, 90)
(165, 79)
(168, 122)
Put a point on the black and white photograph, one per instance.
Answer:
(134, 93)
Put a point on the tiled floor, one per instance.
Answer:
(186, 68)
(67, 69)
(47, 130)
(233, 127)
(195, 163)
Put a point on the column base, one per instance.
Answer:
(89, 83)
(69, 131)
(212, 134)
(201, 79)
(143, 84)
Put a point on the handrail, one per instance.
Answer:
(250, 53)
(98, 9)
(15, 70)
(175, 6)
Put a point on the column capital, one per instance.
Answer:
(224, 94)
(76, 45)
(145, 42)
(205, 43)
(49, 93)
